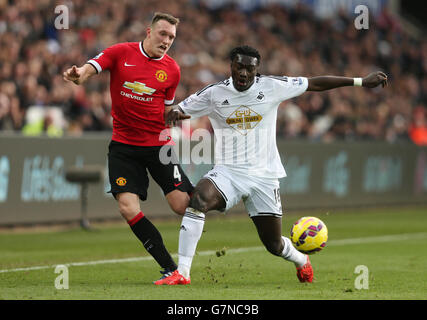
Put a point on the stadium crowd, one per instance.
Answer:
(292, 41)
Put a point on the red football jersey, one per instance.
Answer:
(140, 88)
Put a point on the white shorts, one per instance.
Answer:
(261, 196)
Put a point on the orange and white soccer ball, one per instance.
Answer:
(309, 235)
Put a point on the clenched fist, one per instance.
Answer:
(374, 79)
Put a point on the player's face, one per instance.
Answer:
(160, 38)
(243, 71)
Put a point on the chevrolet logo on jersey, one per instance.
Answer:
(138, 88)
(243, 119)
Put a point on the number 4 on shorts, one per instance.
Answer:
(176, 173)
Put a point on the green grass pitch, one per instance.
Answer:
(230, 264)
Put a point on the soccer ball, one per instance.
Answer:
(309, 235)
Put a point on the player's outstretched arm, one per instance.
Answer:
(173, 114)
(322, 83)
(79, 75)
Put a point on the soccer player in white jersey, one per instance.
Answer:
(243, 111)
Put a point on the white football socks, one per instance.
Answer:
(289, 253)
(189, 235)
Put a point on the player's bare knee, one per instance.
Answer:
(178, 201)
(128, 210)
(199, 202)
(179, 208)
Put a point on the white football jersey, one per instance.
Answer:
(244, 123)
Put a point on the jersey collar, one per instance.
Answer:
(141, 48)
(243, 92)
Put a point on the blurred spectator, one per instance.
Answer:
(41, 119)
(418, 129)
(292, 41)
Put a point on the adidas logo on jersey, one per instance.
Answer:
(225, 103)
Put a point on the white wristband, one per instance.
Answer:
(357, 82)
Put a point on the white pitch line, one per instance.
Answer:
(341, 242)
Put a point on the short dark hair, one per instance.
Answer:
(164, 16)
(245, 50)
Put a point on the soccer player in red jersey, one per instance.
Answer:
(143, 79)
